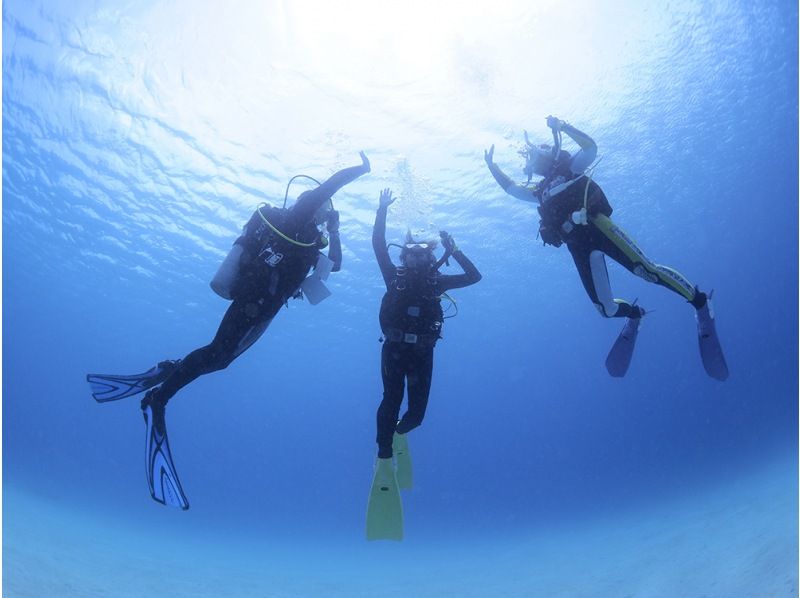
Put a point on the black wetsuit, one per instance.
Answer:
(271, 271)
(411, 321)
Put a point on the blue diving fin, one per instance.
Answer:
(710, 347)
(162, 478)
(621, 353)
(112, 387)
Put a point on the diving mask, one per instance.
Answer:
(423, 245)
(538, 159)
(418, 255)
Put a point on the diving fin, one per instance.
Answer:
(710, 348)
(162, 478)
(621, 353)
(385, 509)
(402, 456)
(111, 387)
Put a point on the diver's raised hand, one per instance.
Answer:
(555, 123)
(448, 242)
(386, 198)
(365, 161)
(488, 155)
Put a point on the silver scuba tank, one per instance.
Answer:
(228, 272)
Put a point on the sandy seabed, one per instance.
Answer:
(739, 540)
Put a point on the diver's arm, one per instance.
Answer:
(379, 236)
(471, 274)
(344, 176)
(334, 242)
(588, 152)
(509, 186)
(310, 201)
(456, 281)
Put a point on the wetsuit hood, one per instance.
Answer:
(538, 159)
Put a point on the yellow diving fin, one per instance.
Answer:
(384, 510)
(402, 456)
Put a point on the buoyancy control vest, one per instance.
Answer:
(560, 194)
(271, 264)
(412, 306)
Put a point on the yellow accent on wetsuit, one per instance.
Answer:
(668, 276)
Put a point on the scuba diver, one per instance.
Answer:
(411, 319)
(268, 265)
(574, 210)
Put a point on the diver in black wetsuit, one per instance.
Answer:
(574, 210)
(268, 265)
(279, 248)
(411, 321)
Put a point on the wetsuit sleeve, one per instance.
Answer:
(456, 281)
(588, 152)
(509, 186)
(379, 246)
(335, 251)
(310, 201)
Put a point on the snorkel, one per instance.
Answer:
(556, 141)
(539, 159)
(527, 153)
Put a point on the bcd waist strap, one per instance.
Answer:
(395, 335)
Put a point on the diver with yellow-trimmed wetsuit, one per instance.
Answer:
(574, 211)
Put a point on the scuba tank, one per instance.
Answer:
(228, 273)
(272, 246)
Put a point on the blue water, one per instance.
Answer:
(138, 138)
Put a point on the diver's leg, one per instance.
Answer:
(242, 325)
(591, 265)
(419, 388)
(620, 247)
(393, 371)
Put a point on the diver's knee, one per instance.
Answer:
(645, 274)
(219, 362)
(392, 397)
